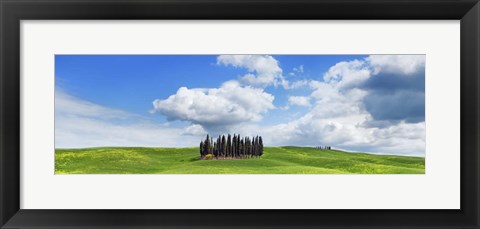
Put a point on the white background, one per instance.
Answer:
(439, 188)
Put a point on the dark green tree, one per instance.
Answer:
(224, 147)
(229, 146)
(254, 146)
(211, 145)
(206, 145)
(260, 144)
(242, 149)
(247, 147)
(238, 153)
(234, 145)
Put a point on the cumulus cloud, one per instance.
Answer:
(195, 130)
(397, 64)
(397, 105)
(347, 74)
(354, 73)
(214, 108)
(395, 85)
(396, 88)
(299, 101)
(400, 139)
(374, 104)
(340, 119)
(263, 70)
(362, 105)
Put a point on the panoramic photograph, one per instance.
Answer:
(240, 114)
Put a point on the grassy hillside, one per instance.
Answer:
(276, 160)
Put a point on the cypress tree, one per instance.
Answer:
(211, 145)
(247, 144)
(237, 153)
(224, 146)
(242, 149)
(260, 143)
(234, 144)
(245, 147)
(215, 149)
(251, 147)
(206, 146)
(229, 146)
(255, 146)
(219, 146)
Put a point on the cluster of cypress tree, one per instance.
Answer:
(231, 147)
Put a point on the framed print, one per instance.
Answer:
(239, 114)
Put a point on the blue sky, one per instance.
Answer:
(132, 82)
(352, 102)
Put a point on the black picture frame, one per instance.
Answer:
(13, 11)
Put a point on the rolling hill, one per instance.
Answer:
(276, 160)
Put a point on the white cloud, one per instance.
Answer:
(79, 124)
(347, 74)
(339, 119)
(195, 129)
(296, 84)
(264, 70)
(403, 64)
(230, 104)
(348, 134)
(299, 101)
(69, 105)
(298, 69)
(338, 116)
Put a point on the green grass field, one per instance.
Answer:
(276, 160)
